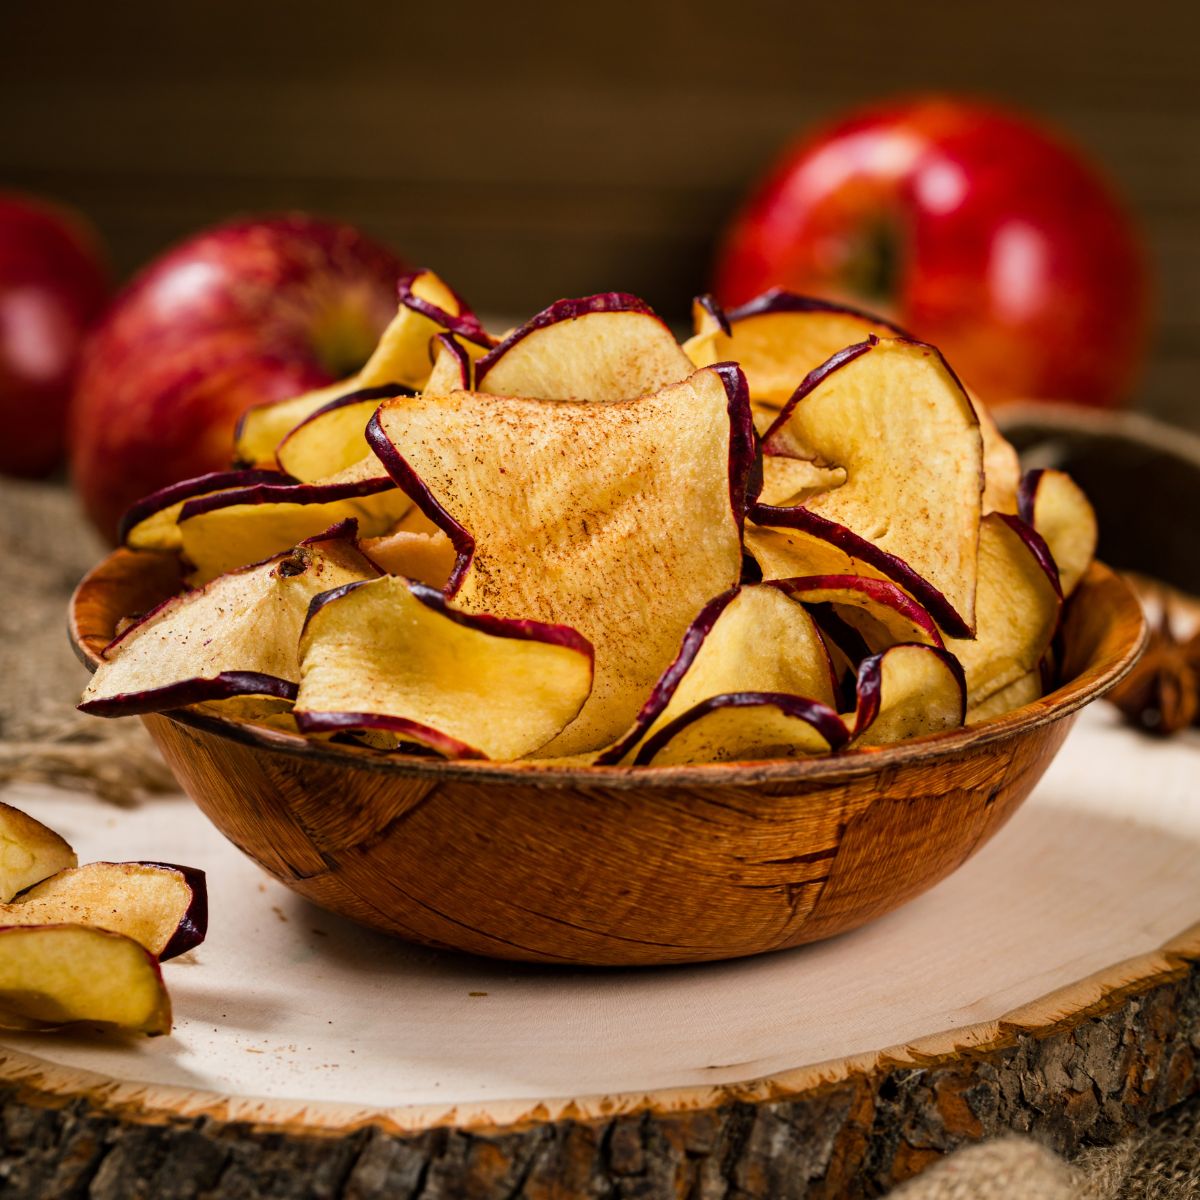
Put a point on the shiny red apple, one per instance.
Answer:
(974, 228)
(255, 310)
(53, 286)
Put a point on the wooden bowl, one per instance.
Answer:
(615, 865)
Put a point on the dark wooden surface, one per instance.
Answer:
(534, 151)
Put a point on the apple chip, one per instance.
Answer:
(29, 852)
(750, 639)
(1001, 466)
(453, 365)
(426, 307)
(161, 906)
(229, 529)
(1057, 507)
(153, 522)
(745, 726)
(268, 712)
(52, 975)
(821, 548)
(792, 481)
(778, 339)
(602, 348)
(1016, 695)
(428, 558)
(877, 609)
(906, 692)
(1018, 608)
(261, 428)
(896, 418)
(333, 439)
(391, 655)
(790, 553)
(235, 636)
(619, 520)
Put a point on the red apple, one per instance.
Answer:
(973, 228)
(255, 310)
(53, 284)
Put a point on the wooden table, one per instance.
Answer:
(1050, 985)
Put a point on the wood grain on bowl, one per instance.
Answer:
(617, 865)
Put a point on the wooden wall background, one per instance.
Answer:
(533, 151)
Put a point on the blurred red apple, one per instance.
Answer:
(972, 227)
(53, 284)
(255, 310)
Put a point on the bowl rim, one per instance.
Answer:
(1124, 611)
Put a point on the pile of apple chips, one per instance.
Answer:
(795, 534)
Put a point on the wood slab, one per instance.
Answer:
(1050, 984)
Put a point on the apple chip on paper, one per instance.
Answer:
(160, 906)
(29, 852)
(393, 656)
(236, 636)
(619, 520)
(602, 348)
(54, 975)
(896, 418)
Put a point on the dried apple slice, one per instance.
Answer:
(1026, 690)
(53, 975)
(752, 638)
(877, 609)
(428, 558)
(1001, 466)
(791, 481)
(426, 307)
(745, 726)
(261, 428)
(153, 522)
(227, 530)
(333, 439)
(817, 547)
(453, 365)
(161, 906)
(601, 348)
(620, 520)
(791, 553)
(1018, 608)
(29, 852)
(908, 691)
(267, 712)
(391, 655)
(778, 338)
(895, 416)
(236, 636)
(1057, 507)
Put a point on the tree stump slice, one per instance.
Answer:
(1050, 986)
